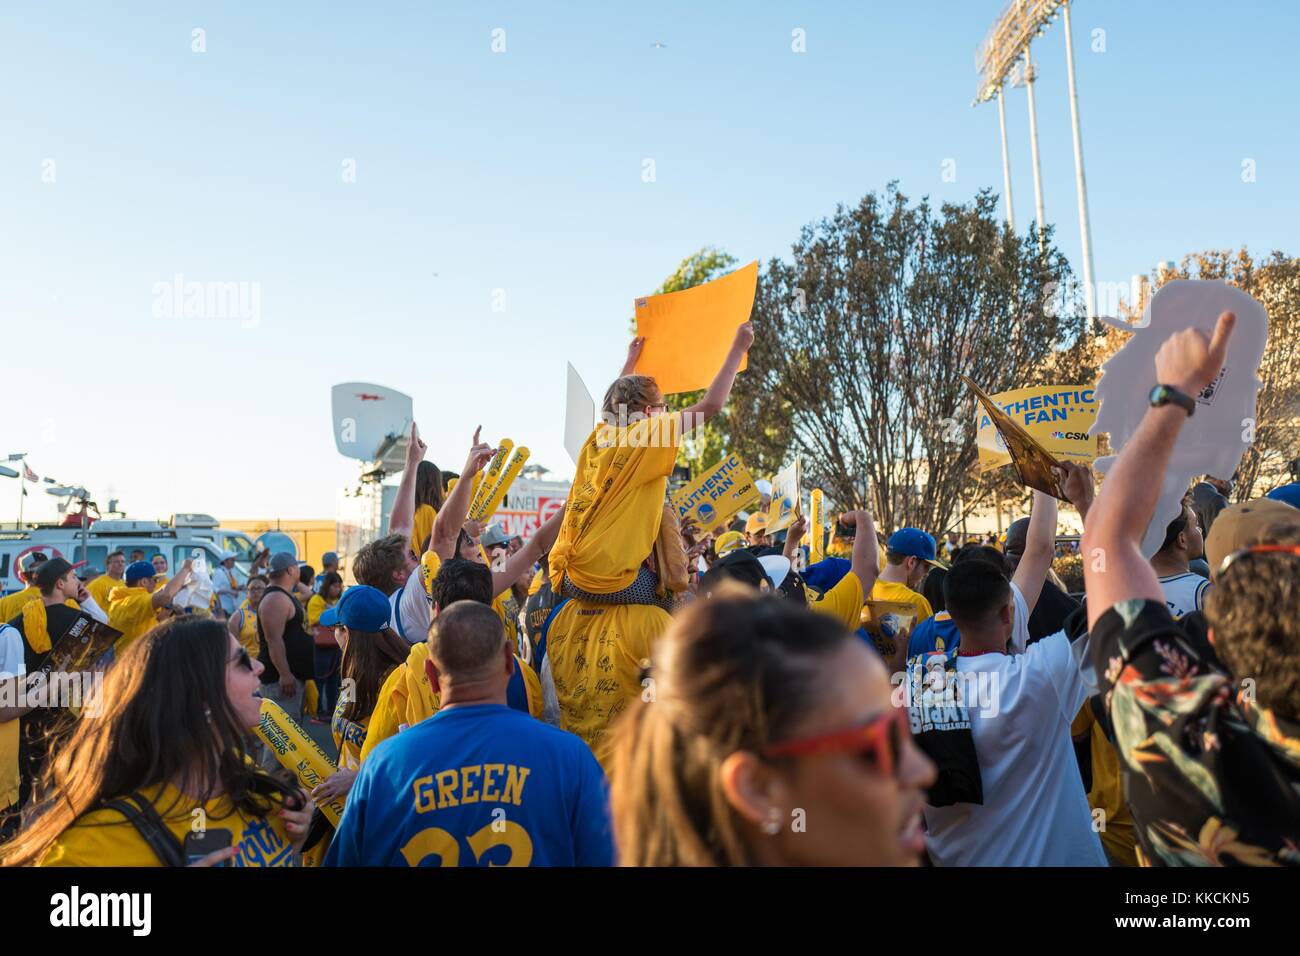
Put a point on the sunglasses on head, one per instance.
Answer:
(243, 660)
(1231, 559)
(879, 741)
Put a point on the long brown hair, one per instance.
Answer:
(368, 659)
(732, 673)
(166, 719)
(428, 486)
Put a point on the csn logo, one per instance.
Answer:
(1078, 436)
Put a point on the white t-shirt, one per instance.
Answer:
(1035, 810)
(12, 662)
(1184, 593)
(412, 612)
(1019, 621)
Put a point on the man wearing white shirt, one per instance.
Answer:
(1035, 811)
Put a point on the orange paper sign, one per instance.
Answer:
(688, 333)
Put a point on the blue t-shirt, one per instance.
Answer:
(478, 785)
(937, 633)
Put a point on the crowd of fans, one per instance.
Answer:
(625, 688)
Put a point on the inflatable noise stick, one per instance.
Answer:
(498, 493)
(297, 753)
(490, 476)
(816, 524)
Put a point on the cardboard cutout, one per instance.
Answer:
(1215, 437)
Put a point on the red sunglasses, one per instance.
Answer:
(880, 740)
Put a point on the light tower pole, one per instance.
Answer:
(1081, 185)
(1033, 151)
(1006, 164)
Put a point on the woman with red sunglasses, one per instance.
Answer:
(766, 736)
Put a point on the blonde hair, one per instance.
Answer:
(633, 392)
(733, 673)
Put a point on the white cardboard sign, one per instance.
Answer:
(1215, 437)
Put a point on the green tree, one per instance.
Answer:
(862, 336)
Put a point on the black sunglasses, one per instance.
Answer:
(243, 660)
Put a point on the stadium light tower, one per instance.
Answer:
(1006, 44)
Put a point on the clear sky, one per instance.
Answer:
(522, 171)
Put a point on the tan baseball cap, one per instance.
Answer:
(1242, 525)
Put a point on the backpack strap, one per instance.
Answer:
(140, 813)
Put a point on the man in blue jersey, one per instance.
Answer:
(476, 784)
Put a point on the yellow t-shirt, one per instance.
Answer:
(349, 736)
(597, 654)
(1107, 793)
(105, 838)
(423, 527)
(616, 504)
(315, 608)
(407, 697)
(101, 588)
(248, 630)
(893, 647)
(843, 601)
(131, 611)
(11, 605)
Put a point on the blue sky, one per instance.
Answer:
(522, 172)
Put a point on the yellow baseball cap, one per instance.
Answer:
(756, 522)
(729, 542)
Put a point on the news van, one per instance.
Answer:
(176, 539)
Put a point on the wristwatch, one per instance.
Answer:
(1168, 395)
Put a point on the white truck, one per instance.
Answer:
(176, 539)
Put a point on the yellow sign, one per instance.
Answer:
(689, 333)
(1036, 467)
(785, 498)
(714, 498)
(816, 527)
(1056, 416)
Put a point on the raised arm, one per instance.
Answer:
(1114, 568)
(165, 595)
(716, 397)
(633, 353)
(866, 549)
(528, 555)
(447, 525)
(402, 520)
(1040, 548)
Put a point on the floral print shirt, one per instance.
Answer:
(1212, 779)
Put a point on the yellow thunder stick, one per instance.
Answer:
(298, 754)
(817, 546)
(489, 482)
(507, 478)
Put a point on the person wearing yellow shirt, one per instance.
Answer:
(407, 697)
(26, 571)
(615, 509)
(160, 578)
(371, 651)
(844, 599)
(243, 623)
(192, 684)
(133, 607)
(429, 497)
(102, 587)
(909, 555)
(328, 655)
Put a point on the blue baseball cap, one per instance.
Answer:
(914, 543)
(138, 571)
(361, 608)
(1287, 494)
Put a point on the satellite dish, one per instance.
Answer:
(371, 422)
(7, 472)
